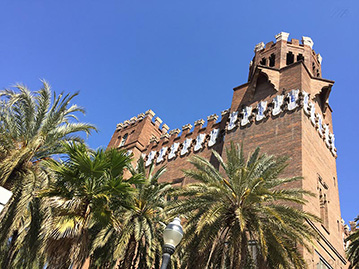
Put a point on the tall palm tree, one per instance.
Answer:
(32, 127)
(88, 188)
(139, 242)
(242, 216)
(353, 248)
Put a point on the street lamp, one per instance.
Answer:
(172, 235)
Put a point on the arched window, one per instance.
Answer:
(123, 141)
(272, 60)
(290, 58)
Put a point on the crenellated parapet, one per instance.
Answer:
(176, 145)
(181, 144)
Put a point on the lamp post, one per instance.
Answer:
(172, 235)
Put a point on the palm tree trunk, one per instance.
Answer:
(244, 251)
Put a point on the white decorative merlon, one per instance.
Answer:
(140, 116)
(173, 150)
(165, 128)
(246, 112)
(277, 104)
(150, 113)
(199, 122)
(232, 120)
(174, 132)
(282, 36)
(224, 112)
(199, 142)
(187, 126)
(213, 137)
(119, 126)
(161, 154)
(293, 99)
(259, 47)
(261, 108)
(307, 41)
(158, 121)
(185, 146)
(150, 157)
(129, 153)
(133, 120)
(165, 135)
(319, 58)
(126, 123)
(212, 117)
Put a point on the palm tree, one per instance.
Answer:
(242, 216)
(139, 242)
(353, 248)
(32, 127)
(87, 190)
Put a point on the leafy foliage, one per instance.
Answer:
(87, 190)
(32, 128)
(353, 248)
(244, 202)
(139, 243)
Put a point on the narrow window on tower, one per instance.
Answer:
(290, 58)
(272, 60)
(323, 203)
(123, 141)
(263, 61)
(313, 67)
(318, 74)
(300, 57)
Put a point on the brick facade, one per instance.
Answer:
(300, 127)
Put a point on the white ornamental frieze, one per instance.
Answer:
(173, 150)
(199, 142)
(293, 99)
(312, 113)
(150, 157)
(213, 137)
(277, 104)
(232, 120)
(320, 124)
(332, 145)
(161, 154)
(246, 112)
(261, 108)
(306, 103)
(326, 135)
(186, 145)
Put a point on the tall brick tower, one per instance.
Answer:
(284, 109)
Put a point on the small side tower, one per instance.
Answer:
(135, 134)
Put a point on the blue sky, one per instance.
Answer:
(179, 58)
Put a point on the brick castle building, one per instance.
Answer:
(283, 109)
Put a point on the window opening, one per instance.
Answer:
(272, 60)
(123, 141)
(263, 61)
(290, 58)
(300, 57)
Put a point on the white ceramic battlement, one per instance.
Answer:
(212, 117)
(307, 41)
(259, 47)
(282, 36)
